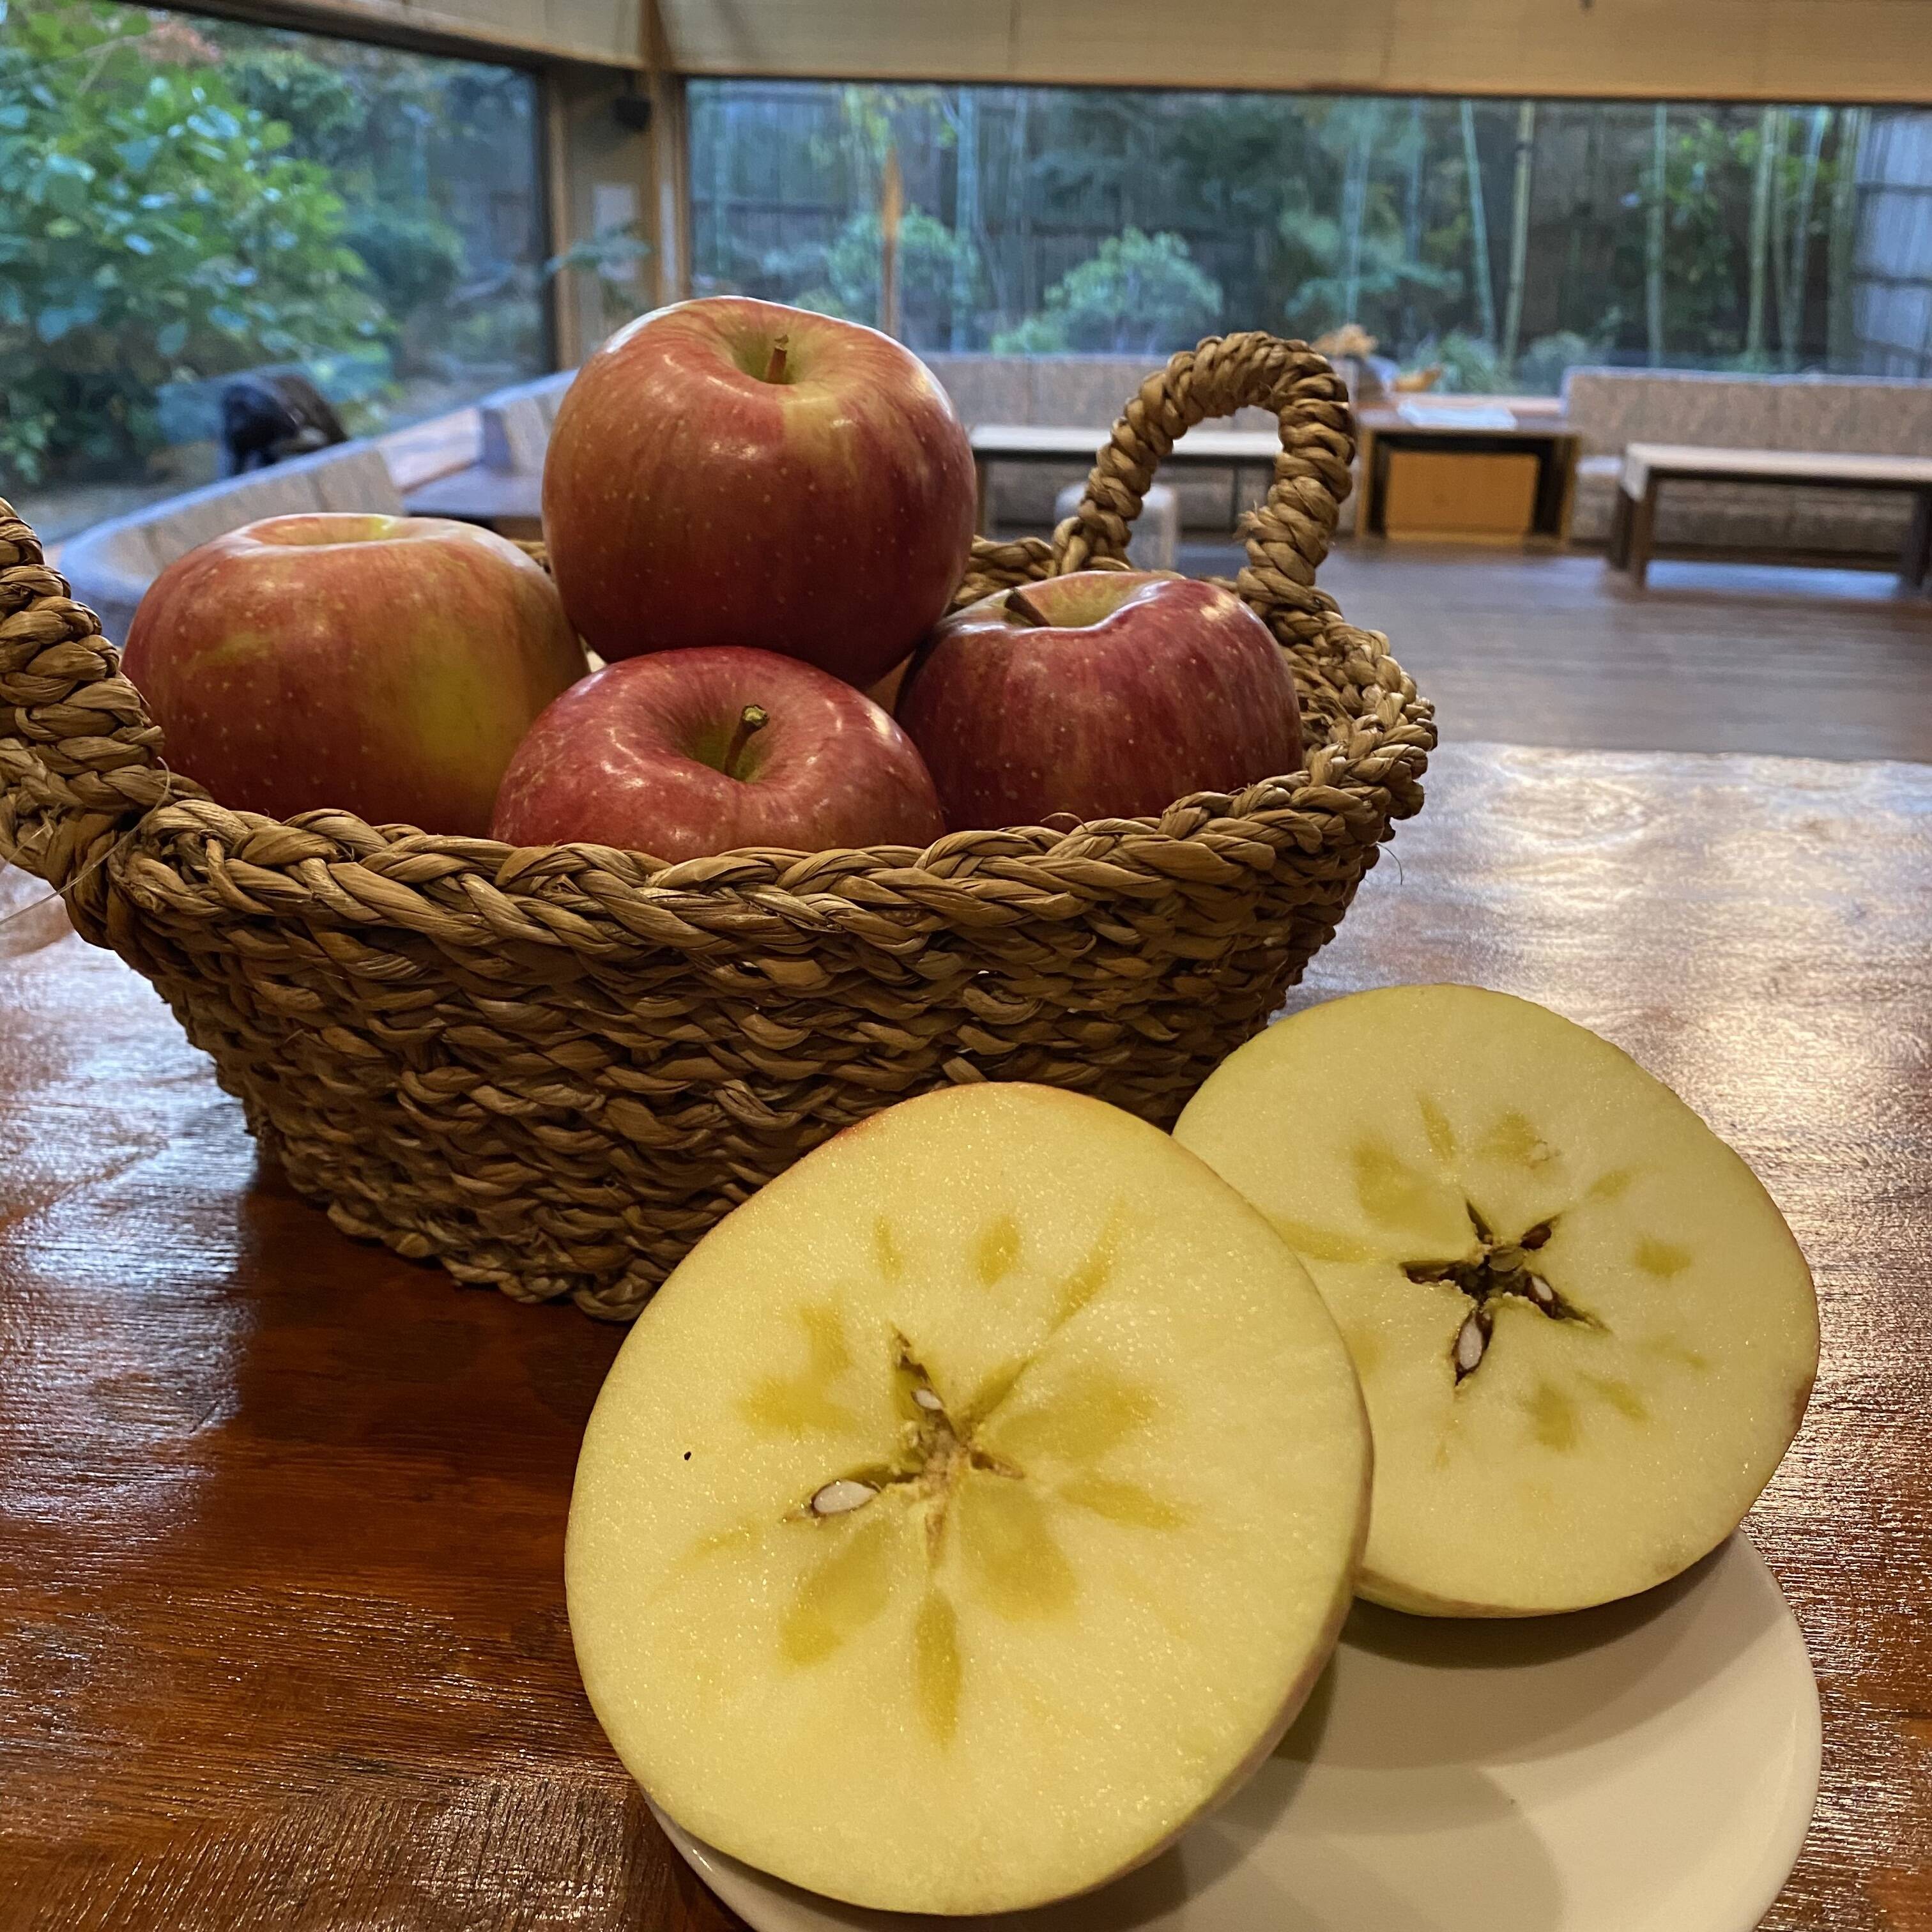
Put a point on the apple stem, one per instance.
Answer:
(774, 370)
(753, 718)
(1019, 605)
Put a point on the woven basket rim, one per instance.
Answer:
(120, 809)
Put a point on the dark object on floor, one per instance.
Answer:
(267, 418)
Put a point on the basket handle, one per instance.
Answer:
(1288, 537)
(80, 757)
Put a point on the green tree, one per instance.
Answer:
(1657, 206)
(152, 230)
(1763, 177)
(373, 120)
(1139, 294)
(1538, 370)
(1479, 227)
(1791, 311)
(847, 272)
(1842, 233)
(1519, 255)
(1386, 282)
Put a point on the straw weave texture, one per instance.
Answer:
(552, 1069)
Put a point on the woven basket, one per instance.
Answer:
(553, 1069)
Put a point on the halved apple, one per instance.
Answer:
(1584, 1332)
(970, 1509)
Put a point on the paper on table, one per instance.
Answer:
(1447, 416)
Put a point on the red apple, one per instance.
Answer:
(730, 472)
(1107, 694)
(709, 751)
(384, 665)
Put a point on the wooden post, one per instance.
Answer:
(1620, 529)
(669, 198)
(559, 295)
(1915, 562)
(892, 211)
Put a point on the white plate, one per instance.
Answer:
(1650, 1767)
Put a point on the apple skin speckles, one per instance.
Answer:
(1138, 690)
(743, 499)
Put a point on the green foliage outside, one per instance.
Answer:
(846, 273)
(1539, 369)
(612, 256)
(181, 200)
(391, 130)
(1137, 294)
(1423, 221)
(1470, 366)
(1707, 194)
(153, 228)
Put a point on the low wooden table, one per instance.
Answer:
(1452, 428)
(1199, 449)
(1648, 467)
(508, 501)
(282, 1631)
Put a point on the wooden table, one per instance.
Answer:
(508, 501)
(1648, 467)
(1517, 430)
(282, 1632)
(1199, 449)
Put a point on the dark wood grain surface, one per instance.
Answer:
(282, 1632)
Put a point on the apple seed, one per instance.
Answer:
(838, 1497)
(1470, 1343)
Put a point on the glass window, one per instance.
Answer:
(183, 200)
(1496, 242)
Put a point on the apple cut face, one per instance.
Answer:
(1584, 1332)
(972, 1507)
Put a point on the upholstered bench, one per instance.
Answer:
(1088, 392)
(1610, 408)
